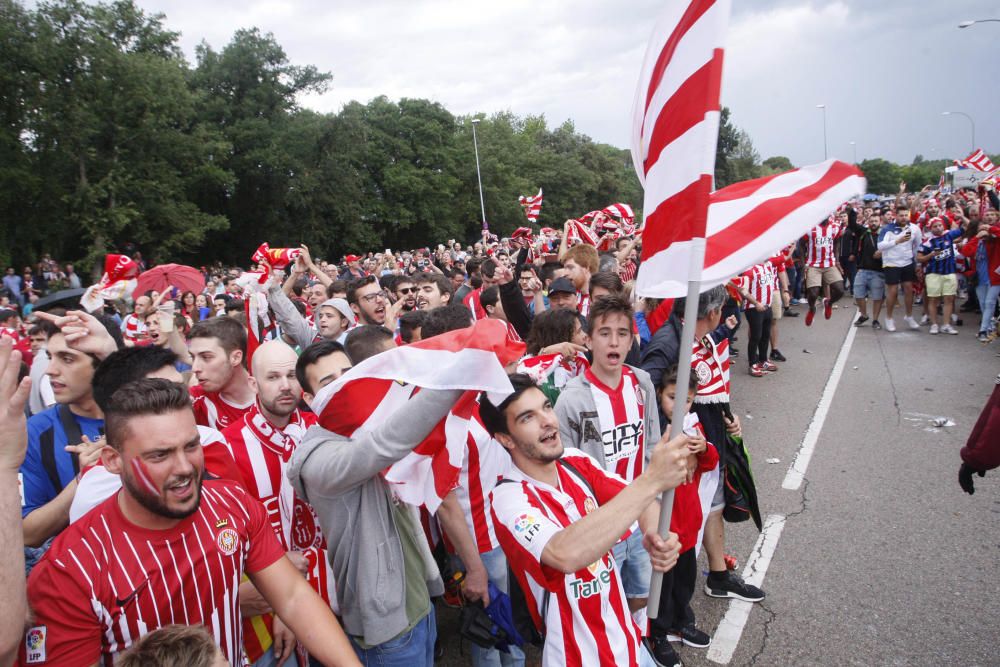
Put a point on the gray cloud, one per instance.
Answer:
(885, 70)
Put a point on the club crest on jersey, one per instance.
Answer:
(640, 399)
(228, 541)
(34, 645)
(589, 505)
(527, 526)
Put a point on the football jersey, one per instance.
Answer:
(211, 410)
(761, 280)
(134, 328)
(485, 461)
(585, 614)
(820, 253)
(621, 413)
(106, 582)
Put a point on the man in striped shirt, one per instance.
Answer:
(168, 548)
(823, 267)
(558, 513)
(609, 412)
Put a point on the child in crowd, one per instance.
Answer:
(938, 253)
(692, 502)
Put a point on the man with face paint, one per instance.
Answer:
(168, 548)
(262, 442)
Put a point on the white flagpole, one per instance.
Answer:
(684, 355)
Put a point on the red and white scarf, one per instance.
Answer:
(532, 205)
(710, 362)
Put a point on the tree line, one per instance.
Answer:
(110, 140)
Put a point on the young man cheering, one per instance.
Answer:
(558, 513)
(218, 349)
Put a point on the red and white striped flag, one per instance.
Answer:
(532, 205)
(472, 359)
(692, 234)
(580, 232)
(977, 160)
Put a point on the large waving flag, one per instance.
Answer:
(691, 233)
(118, 280)
(977, 160)
(472, 359)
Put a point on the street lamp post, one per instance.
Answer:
(479, 177)
(971, 122)
(823, 107)
(854, 147)
(966, 24)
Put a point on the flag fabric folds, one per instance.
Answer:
(532, 205)
(118, 280)
(674, 130)
(977, 160)
(472, 359)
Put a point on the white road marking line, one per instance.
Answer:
(797, 471)
(727, 635)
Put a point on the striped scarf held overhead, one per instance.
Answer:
(532, 205)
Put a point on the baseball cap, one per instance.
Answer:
(352, 258)
(342, 306)
(562, 284)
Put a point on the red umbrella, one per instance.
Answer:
(184, 278)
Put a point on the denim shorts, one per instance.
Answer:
(869, 284)
(634, 566)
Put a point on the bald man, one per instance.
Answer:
(261, 443)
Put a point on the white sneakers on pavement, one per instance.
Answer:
(948, 329)
(910, 322)
(934, 330)
(890, 324)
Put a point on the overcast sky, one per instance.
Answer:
(885, 69)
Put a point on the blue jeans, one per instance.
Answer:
(410, 649)
(633, 565)
(988, 295)
(496, 569)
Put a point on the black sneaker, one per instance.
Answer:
(876, 325)
(790, 313)
(860, 322)
(690, 636)
(731, 585)
(733, 352)
(776, 355)
(663, 653)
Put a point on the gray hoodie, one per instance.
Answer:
(340, 478)
(580, 427)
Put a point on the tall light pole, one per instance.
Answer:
(971, 122)
(966, 24)
(479, 177)
(823, 107)
(854, 147)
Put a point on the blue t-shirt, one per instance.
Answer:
(944, 263)
(36, 486)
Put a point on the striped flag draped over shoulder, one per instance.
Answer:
(692, 233)
(472, 359)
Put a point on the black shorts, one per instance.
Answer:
(900, 274)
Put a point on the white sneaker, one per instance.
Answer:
(912, 323)
(948, 329)
(925, 319)
(934, 330)
(890, 324)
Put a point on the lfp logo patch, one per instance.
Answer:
(527, 526)
(34, 645)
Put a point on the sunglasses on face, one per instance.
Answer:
(407, 290)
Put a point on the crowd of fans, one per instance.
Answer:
(175, 472)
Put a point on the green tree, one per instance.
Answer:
(883, 176)
(778, 164)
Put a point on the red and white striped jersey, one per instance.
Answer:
(106, 582)
(485, 462)
(583, 304)
(586, 616)
(761, 280)
(622, 416)
(134, 328)
(820, 253)
(259, 450)
(211, 410)
(627, 271)
(474, 305)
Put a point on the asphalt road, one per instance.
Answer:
(882, 559)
